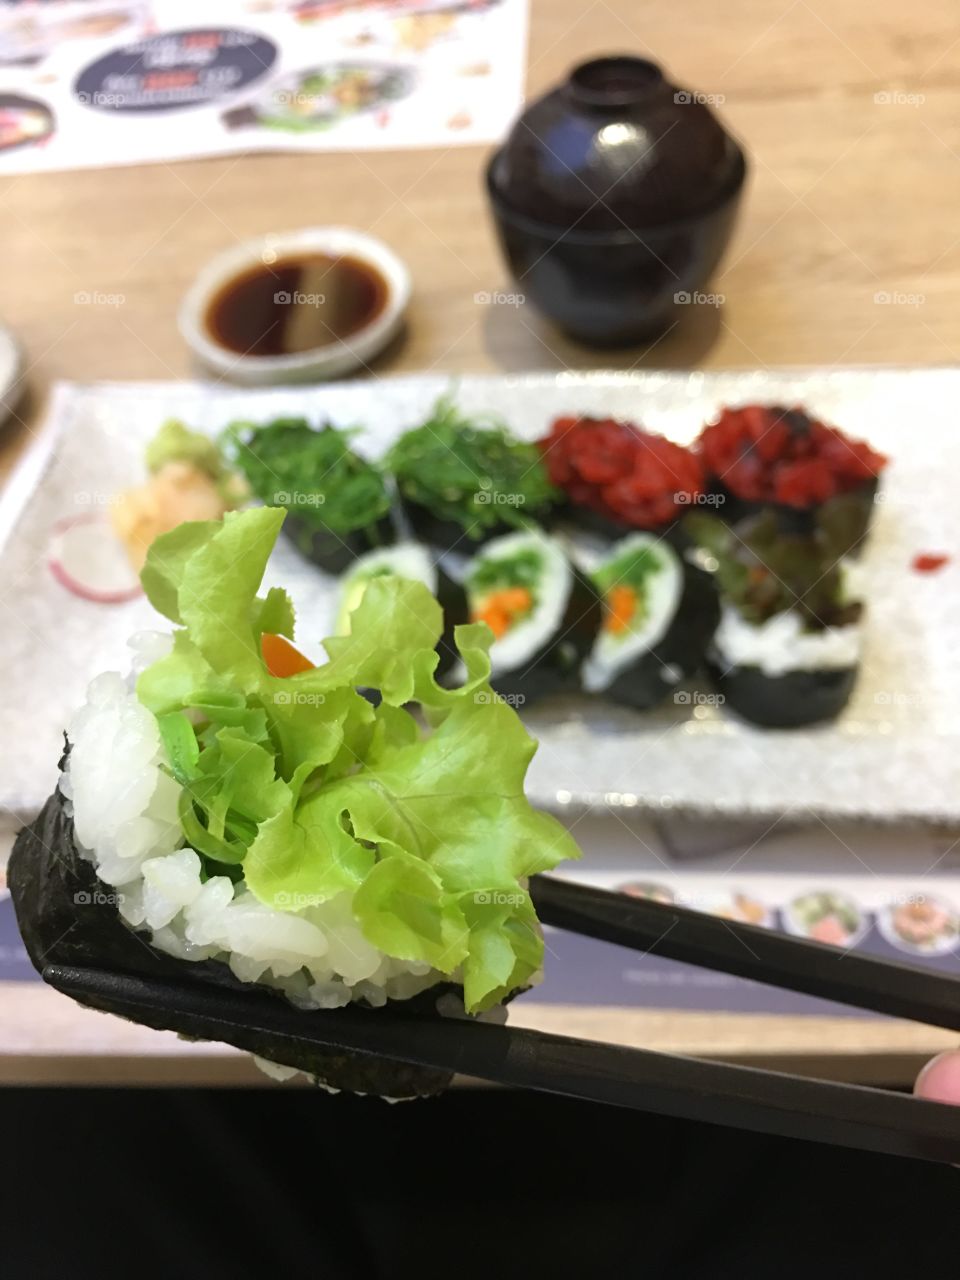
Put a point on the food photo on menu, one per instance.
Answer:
(479, 556)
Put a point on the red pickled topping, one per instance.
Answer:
(766, 453)
(621, 471)
(930, 561)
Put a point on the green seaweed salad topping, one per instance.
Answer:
(470, 471)
(312, 473)
(302, 788)
(763, 571)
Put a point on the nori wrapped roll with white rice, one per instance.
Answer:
(417, 564)
(659, 615)
(543, 612)
(786, 652)
(236, 816)
(784, 460)
(339, 504)
(463, 480)
(619, 478)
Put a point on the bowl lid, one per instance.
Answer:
(616, 146)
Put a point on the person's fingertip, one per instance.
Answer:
(939, 1081)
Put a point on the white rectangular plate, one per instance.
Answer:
(892, 755)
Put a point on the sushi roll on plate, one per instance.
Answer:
(236, 816)
(544, 614)
(411, 561)
(779, 674)
(659, 616)
(619, 478)
(339, 504)
(784, 459)
(787, 648)
(464, 480)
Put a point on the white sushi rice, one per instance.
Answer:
(782, 644)
(126, 823)
(528, 636)
(612, 651)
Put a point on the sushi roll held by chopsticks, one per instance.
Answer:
(787, 649)
(234, 815)
(659, 615)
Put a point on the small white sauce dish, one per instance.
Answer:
(333, 359)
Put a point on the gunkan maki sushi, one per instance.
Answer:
(339, 504)
(787, 648)
(237, 817)
(659, 615)
(544, 614)
(415, 563)
(784, 459)
(463, 480)
(618, 477)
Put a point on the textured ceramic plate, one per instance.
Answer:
(894, 754)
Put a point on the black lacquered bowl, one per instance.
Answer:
(614, 198)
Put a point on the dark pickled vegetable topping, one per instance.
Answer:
(621, 471)
(766, 453)
(762, 571)
(470, 471)
(313, 473)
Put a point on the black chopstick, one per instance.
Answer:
(685, 1088)
(848, 977)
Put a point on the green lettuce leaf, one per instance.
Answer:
(405, 911)
(181, 679)
(306, 791)
(166, 559)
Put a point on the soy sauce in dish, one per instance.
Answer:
(295, 304)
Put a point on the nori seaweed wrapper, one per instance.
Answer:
(786, 701)
(683, 646)
(453, 601)
(335, 552)
(555, 666)
(67, 916)
(578, 516)
(449, 535)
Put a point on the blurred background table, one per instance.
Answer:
(847, 252)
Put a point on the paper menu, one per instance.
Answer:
(147, 81)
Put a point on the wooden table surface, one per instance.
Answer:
(851, 114)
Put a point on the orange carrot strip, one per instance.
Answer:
(621, 605)
(497, 619)
(514, 599)
(281, 657)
